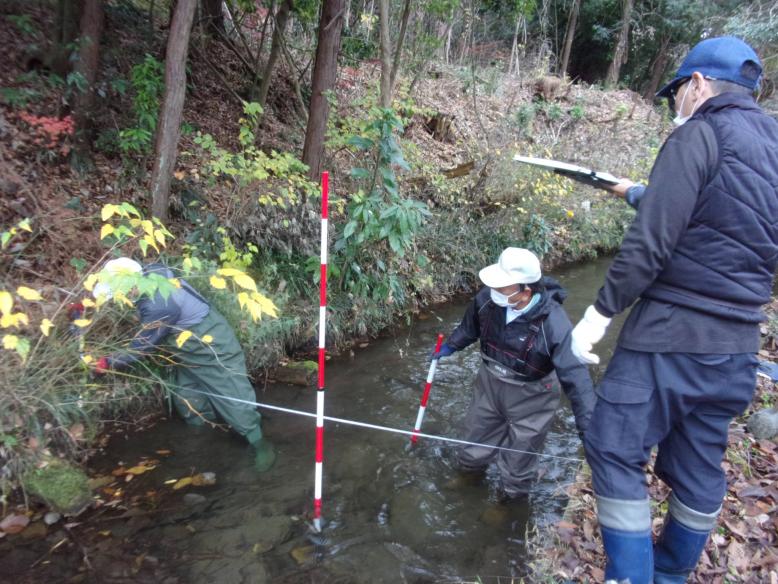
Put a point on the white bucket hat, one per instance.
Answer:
(113, 267)
(515, 266)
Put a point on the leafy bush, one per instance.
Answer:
(148, 84)
(51, 406)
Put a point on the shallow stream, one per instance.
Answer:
(392, 514)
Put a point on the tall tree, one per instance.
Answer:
(572, 21)
(386, 53)
(169, 126)
(281, 18)
(324, 71)
(86, 67)
(622, 45)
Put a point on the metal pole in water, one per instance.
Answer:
(426, 395)
(325, 185)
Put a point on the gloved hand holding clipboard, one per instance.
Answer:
(601, 180)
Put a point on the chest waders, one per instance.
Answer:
(218, 369)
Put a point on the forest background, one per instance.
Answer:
(196, 132)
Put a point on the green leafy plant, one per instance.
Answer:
(148, 84)
(378, 215)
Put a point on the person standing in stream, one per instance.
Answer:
(205, 373)
(525, 351)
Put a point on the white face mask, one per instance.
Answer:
(680, 120)
(501, 299)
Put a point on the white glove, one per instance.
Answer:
(586, 333)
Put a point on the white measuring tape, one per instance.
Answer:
(384, 428)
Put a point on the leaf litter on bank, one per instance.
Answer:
(742, 548)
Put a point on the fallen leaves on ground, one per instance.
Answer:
(742, 548)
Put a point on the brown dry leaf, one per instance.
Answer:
(737, 556)
(76, 432)
(164, 452)
(179, 175)
(117, 472)
(14, 523)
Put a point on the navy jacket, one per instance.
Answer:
(160, 316)
(706, 234)
(550, 350)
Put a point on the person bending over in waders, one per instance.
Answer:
(700, 260)
(204, 372)
(525, 352)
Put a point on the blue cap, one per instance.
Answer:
(722, 58)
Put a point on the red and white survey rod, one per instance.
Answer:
(426, 395)
(325, 187)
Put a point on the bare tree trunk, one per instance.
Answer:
(572, 21)
(87, 66)
(324, 72)
(169, 126)
(399, 48)
(214, 18)
(67, 21)
(275, 48)
(622, 45)
(386, 53)
(515, 47)
(658, 68)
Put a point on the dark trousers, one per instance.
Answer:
(681, 402)
(513, 415)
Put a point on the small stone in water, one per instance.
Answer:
(51, 517)
(303, 554)
(194, 499)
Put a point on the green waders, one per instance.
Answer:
(217, 369)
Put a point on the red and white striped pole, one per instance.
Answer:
(325, 189)
(426, 395)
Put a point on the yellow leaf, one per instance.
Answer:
(175, 281)
(90, 282)
(88, 303)
(46, 325)
(159, 236)
(134, 222)
(266, 304)
(14, 320)
(182, 338)
(187, 264)
(10, 342)
(180, 484)
(106, 230)
(87, 359)
(207, 339)
(148, 227)
(25, 225)
(108, 211)
(28, 293)
(218, 283)
(150, 240)
(6, 301)
(120, 297)
(140, 469)
(245, 281)
(243, 299)
(229, 272)
(171, 481)
(82, 322)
